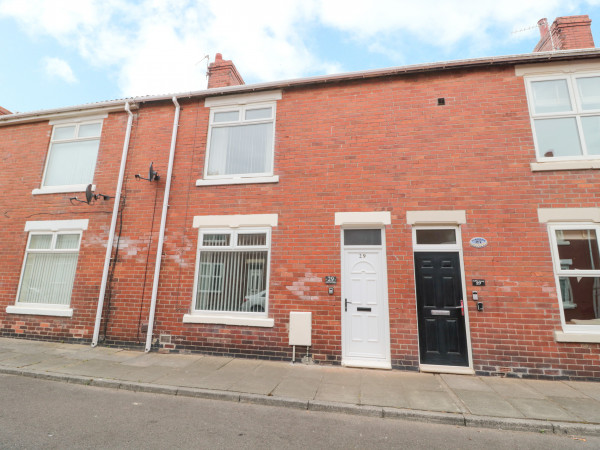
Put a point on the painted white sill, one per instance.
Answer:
(240, 180)
(264, 322)
(565, 165)
(62, 189)
(459, 370)
(39, 311)
(590, 337)
(366, 364)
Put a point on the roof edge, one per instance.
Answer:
(116, 105)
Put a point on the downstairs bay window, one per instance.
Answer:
(49, 267)
(576, 258)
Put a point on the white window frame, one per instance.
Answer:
(77, 122)
(576, 112)
(55, 228)
(559, 271)
(241, 103)
(247, 318)
(456, 247)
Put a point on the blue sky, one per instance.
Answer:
(59, 53)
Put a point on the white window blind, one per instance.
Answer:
(49, 268)
(232, 271)
(72, 154)
(241, 141)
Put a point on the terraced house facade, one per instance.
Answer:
(438, 217)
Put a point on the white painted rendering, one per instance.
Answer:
(556, 68)
(62, 189)
(237, 180)
(236, 221)
(56, 225)
(547, 215)
(565, 165)
(442, 217)
(229, 320)
(243, 99)
(377, 218)
(591, 338)
(39, 310)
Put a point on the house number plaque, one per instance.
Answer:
(330, 279)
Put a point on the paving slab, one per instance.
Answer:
(258, 384)
(297, 387)
(465, 383)
(24, 359)
(53, 363)
(96, 368)
(421, 382)
(338, 392)
(347, 377)
(156, 359)
(487, 404)
(511, 388)
(388, 393)
(588, 388)
(554, 388)
(580, 409)
(145, 374)
(431, 401)
(544, 409)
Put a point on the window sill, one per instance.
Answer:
(39, 311)
(565, 165)
(62, 189)
(591, 337)
(230, 320)
(248, 180)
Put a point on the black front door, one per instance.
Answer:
(442, 334)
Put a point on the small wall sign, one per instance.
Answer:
(478, 282)
(330, 279)
(478, 242)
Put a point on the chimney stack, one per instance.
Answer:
(222, 73)
(566, 33)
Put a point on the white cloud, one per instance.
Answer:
(154, 46)
(59, 68)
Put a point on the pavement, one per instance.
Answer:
(561, 407)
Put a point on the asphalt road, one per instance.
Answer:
(45, 414)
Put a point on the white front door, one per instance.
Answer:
(365, 326)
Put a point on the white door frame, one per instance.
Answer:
(445, 248)
(375, 363)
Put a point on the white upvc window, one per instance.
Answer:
(232, 271)
(565, 115)
(49, 268)
(576, 260)
(240, 141)
(72, 155)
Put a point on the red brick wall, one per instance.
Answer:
(222, 73)
(371, 145)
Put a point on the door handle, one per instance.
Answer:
(345, 304)
(461, 307)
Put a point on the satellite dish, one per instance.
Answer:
(88, 194)
(152, 174)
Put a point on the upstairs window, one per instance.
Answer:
(565, 116)
(72, 154)
(241, 141)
